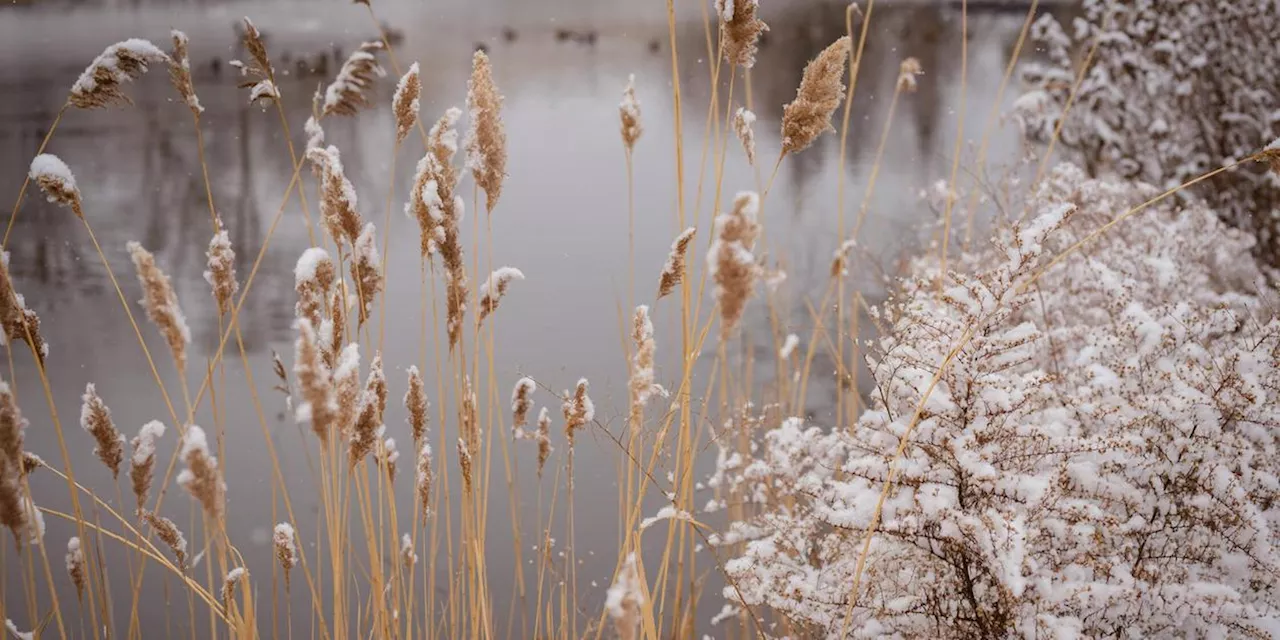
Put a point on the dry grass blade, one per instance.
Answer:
(820, 91)
(102, 83)
(543, 438)
(161, 303)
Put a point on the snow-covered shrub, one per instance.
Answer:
(1099, 458)
(1176, 88)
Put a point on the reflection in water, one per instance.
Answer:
(562, 220)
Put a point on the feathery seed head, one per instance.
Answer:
(493, 288)
(143, 461)
(221, 271)
(95, 418)
(406, 102)
(56, 181)
(486, 140)
(75, 565)
(907, 72)
(346, 94)
(629, 111)
(673, 271)
(820, 91)
(201, 478)
(740, 30)
(161, 303)
(742, 126)
(102, 83)
(180, 72)
(168, 533)
(521, 403)
(415, 401)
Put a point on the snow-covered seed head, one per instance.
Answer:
(169, 533)
(486, 140)
(543, 438)
(180, 72)
(13, 513)
(229, 583)
(493, 288)
(143, 461)
(743, 121)
(464, 463)
(221, 271)
(102, 83)
(95, 418)
(820, 92)
(75, 565)
(422, 481)
(202, 478)
(347, 94)
(730, 262)
(415, 402)
(629, 111)
(313, 276)
(521, 403)
(338, 199)
(740, 30)
(625, 598)
(56, 181)
(161, 303)
(641, 382)
(673, 271)
(407, 554)
(907, 72)
(318, 405)
(366, 270)
(285, 541)
(406, 102)
(578, 410)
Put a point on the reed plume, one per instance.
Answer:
(373, 403)
(180, 72)
(257, 48)
(75, 565)
(907, 72)
(820, 91)
(641, 386)
(31, 462)
(313, 276)
(743, 121)
(95, 418)
(578, 410)
(740, 30)
(221, 271)
(493, 288)
(161, 303)
(332, 332)
(346, 388)
(315, 138)
(673, 270)
(142, 463)
(201, 478)
(406, 102)
(169, 533)
(346, 95)
(229, 583)
(407, 555)
(366, 270)
(486, 140)
(521, 403)
(16, 320)
(318, 402)
(56, 181)
(840, 258)
(543, 438)
(285, 541)
(415, 402)
(624, 600)
(432, 198)
(387, 455)
(422, 484)
(13, 510)
(629, 111)
(337, 198)
(730, 262)
(102, 83)
(464, 463)
(468, 416)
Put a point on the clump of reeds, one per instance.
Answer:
(76, 565)
(415, 402)
(543, 438)
(521, 403)
(337, 198)
(313, 276)
(673, 270)
(161, 303)
(407, 554)
(56, 181)
(180, 72)
(102, 82)
(740, 29)
(221, 271)
(743, 121)
(493, 288)
(422, 481)
(229, 583)
(169, 533)
(578, 410)
(406, 102)
(95, 418)
(629, 111)
(366, 270)
(730, 262)
(17, 321)
(907, 72)
(285, 541)
(346, 95)
(13, 511)
(640, 384)
(624, 600)
(346, 389)
(486, 140)
(201, 478)
(318, 403)
(142, 463)
(820, 91)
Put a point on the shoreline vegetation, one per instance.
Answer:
(1071, 431)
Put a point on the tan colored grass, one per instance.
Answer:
(486, 140)
(406, 102)
(493, 289)
(907, 72)
(743, 121)
(348, 93)
(415, 402)
(16, 320)
(143, 461)
(543, 438)
(221, 269)
(169, 533)
(102, 83)
(809, 115)
(202, 478)
(57, 182)
(161, 303)
(673, 271)
(95, 419)
(337, 197)
(629, 113)
(180, 72)
(13, 513)
(366, 271)
(76, 566)
(740, 30)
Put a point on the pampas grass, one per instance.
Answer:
(415, 402)
(313, 276)
(521, 403)
(366, 270)
(820, 91)
(730, 262)
(17, 321)
(347, 94)
(673, 271)
(221, 271)
(161, 303)
(229, 583)
(56, 181)
(180, 72)
(95, 419)
(486, 140)
(102, 83)
(337, 198)
(318, 405)
(406, 103)
(202, 478)
(169, 533)
(543, 438)
(740, 30)
(493, 288)
(346, 389)
(285, 542)
(422, 480)
(143, 461)
(578, 410)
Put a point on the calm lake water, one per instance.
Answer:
(562, 219)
